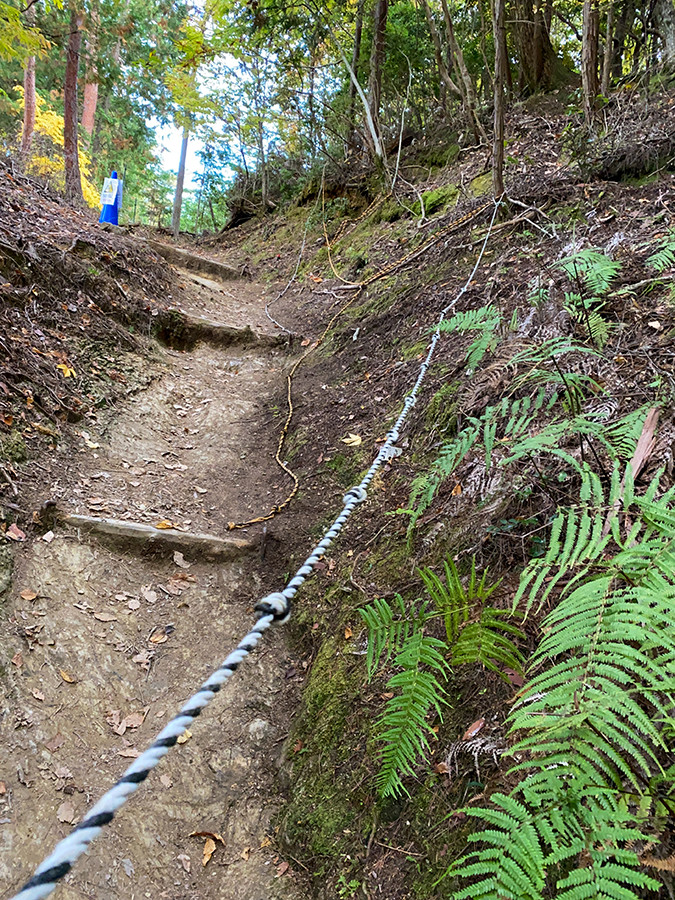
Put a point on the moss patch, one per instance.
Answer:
(13, 447)
(438, 200)
(481, 185)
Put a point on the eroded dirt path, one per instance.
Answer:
(108, 642)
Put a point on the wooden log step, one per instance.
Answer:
(186, 260)
(183, 331)
(193, 544)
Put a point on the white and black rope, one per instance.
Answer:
(275, 607)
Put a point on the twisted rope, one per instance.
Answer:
(274, 608)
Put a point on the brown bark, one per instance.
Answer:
(376, 61)
(90, 99)
(540, 67)
(356, 53)
(624, 22)
(499, 29)
(89, 106)
(609, 50)
(178, 196)
(70, 112)
(29, 101)
(589, 58)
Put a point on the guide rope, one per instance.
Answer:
(359, 287)
(274, 608)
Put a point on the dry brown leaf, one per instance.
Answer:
(282, 868)
(348, 633)
(245, 853)
(184, 860)
(3, 788)
(133, 720)
(38, 695)
(129, 752)
(67, 677)
(105, 617)
(57, 741)
(164, 524)
(352, 440)
(66, 813)
(457, 490)
(208, 851)
(28, 595)
(180, 560)
(441, 768)
(17, 659)
(14, 533)
(473, 729)
(158, 638)
(185, 736)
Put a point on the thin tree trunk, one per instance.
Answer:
(624, 22)
(464, 75)
(499, 28)
(29, 100)
(90, 99)
(376, 62)
(178, 196)
(589, 58)
(89, 104)
(438, 51)
(609, 49)
(356, 53)
(70, 111)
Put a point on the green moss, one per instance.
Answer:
(481, 185)
(439, 155)
(388, 212)
(442, 410)
(345, 467)
(13, 447)
(438, 200)
(414, 350)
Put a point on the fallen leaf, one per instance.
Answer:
(201, 490)
(129, 752)
(158, 638)
(148, 594)
(8, 420)
(28, 595)
(179, 559)
(441, 768)
(348, 632)
(3, 787)
(245, 853)
(297, 746)
(352, 440)
(134, 604)
(48, 537)
(166, 781)
(66, 370)
(457, 490)
(185, 736)
(57, 741)
(473, 729)
(105, 617)
(208, 851)
(14, 533)
(164, 524)
(38, 695)
(282, 868)
(67, 677)
(66, 813)
(128, 867)
(214, 835)
(88, 441)
(133, 720)
(63, 772)
(17, 659)
(184, 860)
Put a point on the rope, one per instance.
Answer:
(274, 608)
(359, 288)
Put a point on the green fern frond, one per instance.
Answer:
(596, 270)
(388, 628)
(472, 320)
(403, 726)
(664, 257)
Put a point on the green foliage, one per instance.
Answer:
(593, 269)
(595, 723)
(664, 257)
(486, 320)
(475, 633)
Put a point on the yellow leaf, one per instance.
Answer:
(67, 677)
(66, 370)
(457, 490)
(352, 440)
(348, 633)
(185, 736)
(164, 524)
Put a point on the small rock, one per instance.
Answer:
(259, 729)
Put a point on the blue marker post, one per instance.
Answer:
(111, 200)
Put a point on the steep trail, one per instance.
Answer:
(110, 640)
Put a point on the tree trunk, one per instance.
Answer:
(609, 51)
(624, 22)
(376, 62)
(540, 67)
(664, 20)
(90, 99)
(356, 53)
(499, 29)
(464, 75)
(29, 101)
(438, 51)
(178, 196)
(70, 111)
(89, 104)
(589, 58)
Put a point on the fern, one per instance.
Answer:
(485, 320)
(664, 257)
(386, 631)
(596, 721)
(403, 726)
(593, 269)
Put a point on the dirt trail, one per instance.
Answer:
(114, 641)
